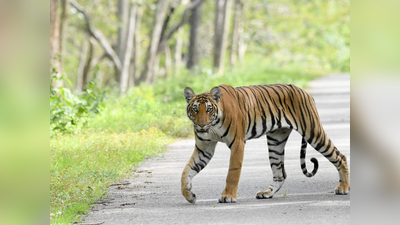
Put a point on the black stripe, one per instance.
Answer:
(276, 152)
(278, 108)
(225, 90)
(196, 167)
(208, 156)
(272, 139)
(320, 144)
(227, 129)
(278, 165)
(248, 111)
(340, 163)
(201, 139)
(232, 141)
(264, 118)
(330, 154)
(204, 163)
(311, 119)
(279, 97)
(327, 148)
(278, 142)
(289, 95)
(302, 154)
(303, 125)
(269, 107)
(271, 157)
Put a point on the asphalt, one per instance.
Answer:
(153, 195)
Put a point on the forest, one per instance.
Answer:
(118, 69)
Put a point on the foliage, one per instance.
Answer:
(254, 72)
(83, 164)
(140, 109)
(313, 35)
(68, 111)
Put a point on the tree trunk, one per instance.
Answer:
(148, 70)
(85, 63)
(55, 41)
(178, 52)
(168, 61)
(80, 80)
(123, 17)
(242, 49)
(88, 63)
(222, 11)
(128, 52)
(241, 45)
(237, 24)
(136, 54)
(194, 21)
(63, 18)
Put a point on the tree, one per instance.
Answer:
(124, 78)
(123, 17)
(84, 56)
(194, 21)
(136, 54)
(99, 36)
(148, 70)
(236, 32)
(222, 11)
(55, 52)
(122, 66)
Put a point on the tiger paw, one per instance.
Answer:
(227, 199)
(342, 190)
(264, 194)
(190, 197)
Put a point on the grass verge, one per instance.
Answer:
(85, 163)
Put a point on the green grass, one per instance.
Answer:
(132, 128)
(85, 163)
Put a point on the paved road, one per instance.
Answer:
(154, 196)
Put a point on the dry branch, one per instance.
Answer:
(185, 17)
(99, 36)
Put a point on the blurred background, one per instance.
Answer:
(124, 43)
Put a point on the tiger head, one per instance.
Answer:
(203, 109)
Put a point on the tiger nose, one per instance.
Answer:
(202, 124)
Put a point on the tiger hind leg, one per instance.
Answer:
(276, 148)
(326, 147)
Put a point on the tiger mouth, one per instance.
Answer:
(202, 130)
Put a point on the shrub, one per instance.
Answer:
(68, 111)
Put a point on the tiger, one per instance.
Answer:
(234, 115)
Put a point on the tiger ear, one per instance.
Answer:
(215, 93)
(189, 94)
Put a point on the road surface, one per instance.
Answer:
(154, 193)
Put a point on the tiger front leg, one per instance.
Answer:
(229, 194)
(202, 154)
